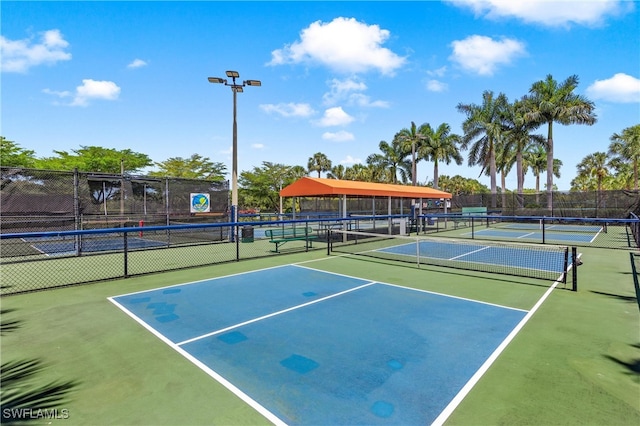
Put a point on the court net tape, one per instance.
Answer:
(546, 262)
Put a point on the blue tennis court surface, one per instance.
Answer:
(512, 256)
(312, 347)
(67, 246)
(536, 235)
(594, 229)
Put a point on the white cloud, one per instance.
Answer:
(436, 86)
(482, 55)
(137, 63)
(20, 55)
(347, 90)
(289, 109)
(343, 45)
(340, 89)
(94, 89)
(88, 91)
(365, 101)
(60, 94)
(335, 117)
(340, 136)
(438, 72)
(548, 12)
(257, 146)
(621, 88)
(350, 160)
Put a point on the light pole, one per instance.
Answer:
(235, 88)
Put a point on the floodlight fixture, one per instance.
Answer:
(235, 88)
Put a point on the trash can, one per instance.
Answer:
(403, 226)
(247, 234)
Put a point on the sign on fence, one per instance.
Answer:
(200, 203)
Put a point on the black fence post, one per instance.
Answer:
(126, 256)
(473, 234)
(574, 275)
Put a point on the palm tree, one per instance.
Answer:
(623, 177)
(595, 165)
(319, 163)
(549, 102)
(445, 182)
(22, 384)
(626, 147)
(439, 145)
(505, 159)
(336, 172)
(536, 158)
(358, 172)
(456, 185)
(411, 140)
(518, 138)
(484, 126)
(582, 183)
(391, 161)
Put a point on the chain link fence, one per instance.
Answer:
(45, 200)
(42, 260)
(85, 227)
(580, 232)
(597, 204)
(584, 204)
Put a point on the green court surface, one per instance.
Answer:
(576, 361)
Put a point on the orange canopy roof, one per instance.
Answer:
(316, 187)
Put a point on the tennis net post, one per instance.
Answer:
(574, 268)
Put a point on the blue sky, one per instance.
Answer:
(337, 77)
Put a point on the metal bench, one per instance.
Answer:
(284, 235)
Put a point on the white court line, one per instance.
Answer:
(468, 253)
(525, 235)
(444, 415)
(409, 288)
(231, 327)
(235, 390)
(273, 418)
(466, 299)
(224, 382)
(475, 262)
(201, 281)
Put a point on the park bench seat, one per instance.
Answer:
(284, 235)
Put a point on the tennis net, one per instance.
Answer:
(550, 224)
(547, 262)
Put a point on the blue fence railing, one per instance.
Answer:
(39, 260)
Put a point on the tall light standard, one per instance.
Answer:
(235, 88)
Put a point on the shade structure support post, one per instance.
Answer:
(389, 214)
(343, 203)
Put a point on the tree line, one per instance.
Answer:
(498, 135)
